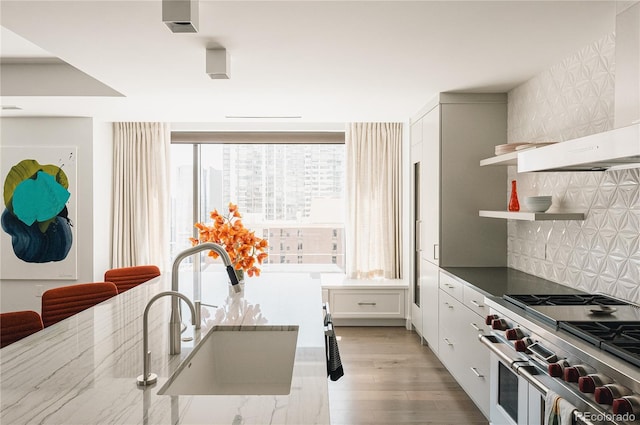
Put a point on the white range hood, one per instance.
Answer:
(619, 148)
(615, 148)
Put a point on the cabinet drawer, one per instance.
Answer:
(450, 342)
(475, 301)
(460, 350)
(451, 286)
(367, 303)
(474, 370)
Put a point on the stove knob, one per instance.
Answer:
(623, 405)
(603, 395)
(513, 334)
(499, 324)
(556, 369)
(489, 319)
(588, 384)
(571, 374)
(522, 344)
(607, 393)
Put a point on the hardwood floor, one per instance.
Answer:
(391, 379)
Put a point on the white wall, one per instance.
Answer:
(102, 197)
(93, 165)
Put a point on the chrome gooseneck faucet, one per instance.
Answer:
(148, 378)
(175, 321)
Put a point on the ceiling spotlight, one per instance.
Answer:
(218, 64)
(180, 15)
(265, 117)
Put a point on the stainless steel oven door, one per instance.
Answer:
(513, 400)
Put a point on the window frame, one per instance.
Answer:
(199, 138)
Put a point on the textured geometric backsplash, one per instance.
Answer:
(601, 253)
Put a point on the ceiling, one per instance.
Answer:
(325, 61)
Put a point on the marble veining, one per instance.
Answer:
(83, 370)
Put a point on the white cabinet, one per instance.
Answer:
(362, 302)
(451, 345)
(459, 348)
(430, 320)
(367, 303)
(474, 301)
(448, 138)
(457, 131)
(430, 195)
(451, 286)
(473, 373)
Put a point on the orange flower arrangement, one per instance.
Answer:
(245, 249)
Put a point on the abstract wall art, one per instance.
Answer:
(39, 195)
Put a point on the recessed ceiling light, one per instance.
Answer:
(11, 108)
(277, 117)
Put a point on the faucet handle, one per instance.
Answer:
(232, 276)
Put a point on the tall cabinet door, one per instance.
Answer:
(416, 220)
(430, 228)
(430, 182)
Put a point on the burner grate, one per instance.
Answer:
(619, 338)
(556, 299)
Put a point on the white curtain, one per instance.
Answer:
(373, 227)
(140, 194)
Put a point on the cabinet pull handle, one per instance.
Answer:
(435, 251)
(447, 341)
(477, 304)
(475, 371)
(448, 305)
(448, 285)
(418, 235)
(474, 326)
(366, 303)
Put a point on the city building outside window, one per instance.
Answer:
(291, 194)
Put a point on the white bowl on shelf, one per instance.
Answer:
(537, 203)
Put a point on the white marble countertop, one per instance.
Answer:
(83, 370)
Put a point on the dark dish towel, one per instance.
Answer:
(334, 364)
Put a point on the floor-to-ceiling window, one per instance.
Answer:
(290, 194)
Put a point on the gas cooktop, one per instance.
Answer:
(554, 309)
(619, 338)
(563, 300)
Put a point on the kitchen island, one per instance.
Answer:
(83, 370)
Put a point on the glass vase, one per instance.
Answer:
(514, 205)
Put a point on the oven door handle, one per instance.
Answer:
(525, 372)
(520, 366)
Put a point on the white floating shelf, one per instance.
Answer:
(532, 216)
(510, 158)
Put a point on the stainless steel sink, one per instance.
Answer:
(254, 360)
